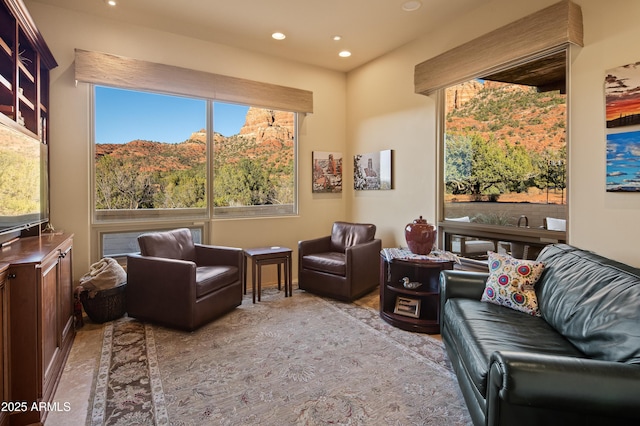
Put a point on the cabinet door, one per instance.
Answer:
(49, 331)
(4, 349)
(65, 292)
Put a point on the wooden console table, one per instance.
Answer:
(411, 309)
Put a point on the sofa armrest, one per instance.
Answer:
(466, 284)
(315, 245)
(609, 389)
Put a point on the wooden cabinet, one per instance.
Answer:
(40, 319)
(25, 61)
(411, 309)
(4, 335)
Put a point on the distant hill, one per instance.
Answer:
(263, 136)
(518, 115)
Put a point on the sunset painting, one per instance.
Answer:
(622, 92)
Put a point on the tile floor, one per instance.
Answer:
(75, 385)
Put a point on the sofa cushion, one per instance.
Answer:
(212, 278)
(478, 329)
(511, 283)
(593, 301)
(330, 262)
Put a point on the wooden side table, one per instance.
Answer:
(411, 309)
(268, 256)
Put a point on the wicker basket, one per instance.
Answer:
(107, 305)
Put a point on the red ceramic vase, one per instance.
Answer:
(420, 236)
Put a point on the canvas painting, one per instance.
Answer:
(622, 94)
(623, 162)
(327, 171)
(372, 171)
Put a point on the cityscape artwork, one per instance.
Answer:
(372, 171)
(327, 171)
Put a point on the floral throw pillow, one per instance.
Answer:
(511, 283)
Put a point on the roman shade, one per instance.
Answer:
(118, 71)
(532, 36)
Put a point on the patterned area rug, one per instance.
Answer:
(128, 387)
(298, 360)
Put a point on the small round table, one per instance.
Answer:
(268, 256)
(416, 309)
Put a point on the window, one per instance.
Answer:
(504, 153)
(253, 161)
(119, 244)
(151, 154)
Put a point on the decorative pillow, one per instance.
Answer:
(511, 283)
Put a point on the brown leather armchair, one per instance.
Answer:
(344, 265)
(180, 284)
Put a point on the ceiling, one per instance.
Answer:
(369, 28)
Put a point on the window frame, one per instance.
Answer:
(106, 222)
(498, 232)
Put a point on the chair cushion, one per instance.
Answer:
(346, 234)
(331, 262)
(175, 244)
(212, 278)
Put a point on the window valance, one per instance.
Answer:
(118, 71)
(557, 25)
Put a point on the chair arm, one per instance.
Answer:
(363, 265)
(165, 283)
(207, 255)
(563, 383)
(316, 245)
(361, 256)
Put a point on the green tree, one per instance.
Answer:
(182, 189)
(121, 185)
(245, 183)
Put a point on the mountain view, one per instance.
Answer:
(253, 167)
(504, 142)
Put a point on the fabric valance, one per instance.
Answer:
(550, 28)
(118, 71)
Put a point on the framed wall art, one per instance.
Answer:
(622, 95)
(327, 171)
(373, 171)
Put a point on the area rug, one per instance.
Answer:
(300, 360)
(128, 388)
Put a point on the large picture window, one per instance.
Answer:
(172, 157)
(504, 153)
(504, 159)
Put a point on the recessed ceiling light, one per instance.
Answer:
(278, 36)
(110, 2)
(344, 54)
(336, 38)
(410, 6)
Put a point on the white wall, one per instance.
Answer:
(384, 113)
(70, 160)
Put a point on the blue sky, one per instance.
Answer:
(124, 115)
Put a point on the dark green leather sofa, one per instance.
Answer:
(577, 364)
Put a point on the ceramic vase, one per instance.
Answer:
(420, 236)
